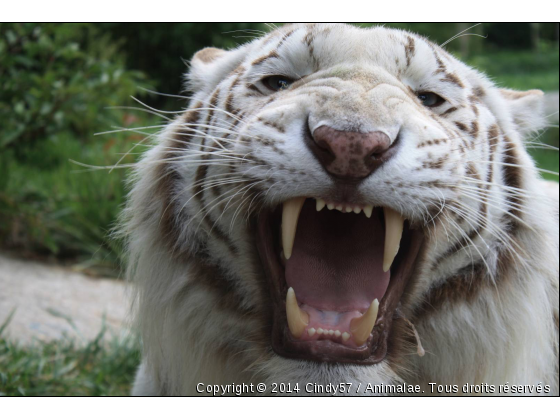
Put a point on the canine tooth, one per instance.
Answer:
(339, 207)
(320, 204)
(320, 331)
(368, 210)
(311, 332)
(297, 319)
(345, 336)
(330, 206)
(361, 327)
(337, 333)
(393, 232)
(357, 210)
(290, 215)
(348, 209)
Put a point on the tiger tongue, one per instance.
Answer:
(337, 260)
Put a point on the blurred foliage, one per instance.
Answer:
(546, 158)
(521, 70)
(56, 81)
(66, 210)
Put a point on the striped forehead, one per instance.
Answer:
(303, 49)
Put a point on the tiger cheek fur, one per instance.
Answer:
(483, 295)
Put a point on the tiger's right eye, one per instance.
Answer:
(430, 99)
(277, 83)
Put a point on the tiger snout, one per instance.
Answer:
(349, 154)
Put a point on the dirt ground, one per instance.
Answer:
(52, 302)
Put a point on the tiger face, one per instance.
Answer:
(328, 189)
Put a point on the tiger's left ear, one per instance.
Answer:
(210, 66)
(527, 109)
(207, 55)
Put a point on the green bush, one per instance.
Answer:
(56, 81)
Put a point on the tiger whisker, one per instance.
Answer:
(520, 191)
(546, 171)
(474, 198)
(128, 129)
(456, 35)
(206, 210)
(489, 196)
(503, 237)
(147, 111)
(466, 237)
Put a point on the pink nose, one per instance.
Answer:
(349, 154)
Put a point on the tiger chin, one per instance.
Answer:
(344, 205)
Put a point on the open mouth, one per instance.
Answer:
(337, 273)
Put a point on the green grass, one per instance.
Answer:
(546, 158)
(521, 70)
(65, 368)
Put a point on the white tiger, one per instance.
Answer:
(344, 205)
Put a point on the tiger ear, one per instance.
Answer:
(207, 55)
(527, 109)
(210, 66)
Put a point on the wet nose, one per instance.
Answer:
(349, 154)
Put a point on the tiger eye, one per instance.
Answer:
(277, 83)
(430, 99)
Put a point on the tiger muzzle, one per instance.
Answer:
(350, 155)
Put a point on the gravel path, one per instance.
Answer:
(52, 302)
